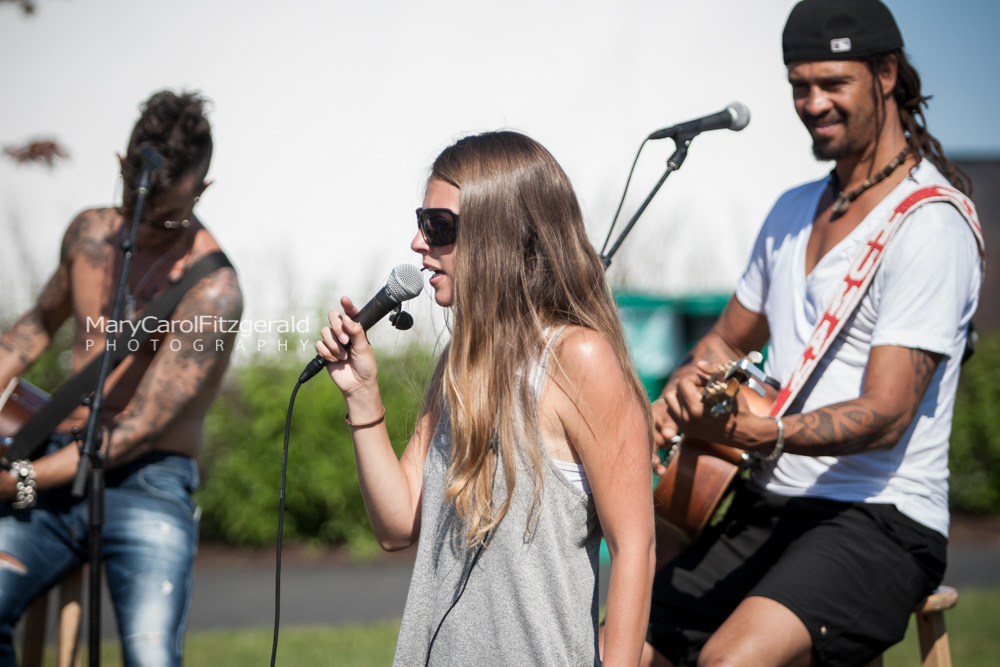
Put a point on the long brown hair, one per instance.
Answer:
(523, 263)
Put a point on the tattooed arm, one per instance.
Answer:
(737, 332)
(895, 381)
(174, 380)
(186, 367)
(25, 341)
(28, 338)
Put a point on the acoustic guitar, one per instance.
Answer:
(699, 473)
(18, 402)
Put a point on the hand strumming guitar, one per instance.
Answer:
(707, 404)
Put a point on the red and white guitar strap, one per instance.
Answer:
(859, 277)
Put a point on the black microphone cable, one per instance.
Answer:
(468, 574)
(628, 180)
(404, 283)
(281, 524)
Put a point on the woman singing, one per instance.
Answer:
(535, 437)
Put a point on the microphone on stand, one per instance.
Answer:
(152, 159)
(734, 117)
(404, 283)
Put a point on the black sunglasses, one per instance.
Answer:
(438, 225)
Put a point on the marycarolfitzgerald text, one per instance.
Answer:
(203, 333)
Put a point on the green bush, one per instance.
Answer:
(975, 439)
(241, 462)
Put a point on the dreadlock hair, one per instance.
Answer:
(909, 101)
(175, 125)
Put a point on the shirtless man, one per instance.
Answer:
(155, 400)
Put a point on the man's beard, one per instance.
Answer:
(832, 150)
(860, 129)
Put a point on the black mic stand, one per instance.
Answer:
(674, 163)
(90, 456)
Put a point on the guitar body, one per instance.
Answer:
(699, 473)
(18, 402)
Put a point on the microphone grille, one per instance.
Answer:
(405, 282)
(740, 114)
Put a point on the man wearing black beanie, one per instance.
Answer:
(862, 285)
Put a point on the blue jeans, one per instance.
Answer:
(150, 536)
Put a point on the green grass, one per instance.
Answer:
(972, 630)
(350, 646)
(343, 646)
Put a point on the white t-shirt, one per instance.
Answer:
(922, 296)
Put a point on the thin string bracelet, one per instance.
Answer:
(377, 420)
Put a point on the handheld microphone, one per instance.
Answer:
(734, 117)
(404, 283)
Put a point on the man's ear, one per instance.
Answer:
(887, 73)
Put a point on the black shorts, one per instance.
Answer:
(852, 572)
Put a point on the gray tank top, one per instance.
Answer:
(529, 597)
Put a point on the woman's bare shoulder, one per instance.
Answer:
(583, 352)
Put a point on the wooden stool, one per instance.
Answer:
(68, 653)
(931, 631)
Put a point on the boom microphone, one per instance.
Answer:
(735, 117)
(405, 282)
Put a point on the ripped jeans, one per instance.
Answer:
(150, 535)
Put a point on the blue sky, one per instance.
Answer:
(954, 47)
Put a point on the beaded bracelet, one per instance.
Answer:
(24, 473)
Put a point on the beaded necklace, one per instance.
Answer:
(844, 199)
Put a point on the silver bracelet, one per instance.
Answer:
(779, 444)
(24, 473)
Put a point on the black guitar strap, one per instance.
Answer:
(33, 435)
